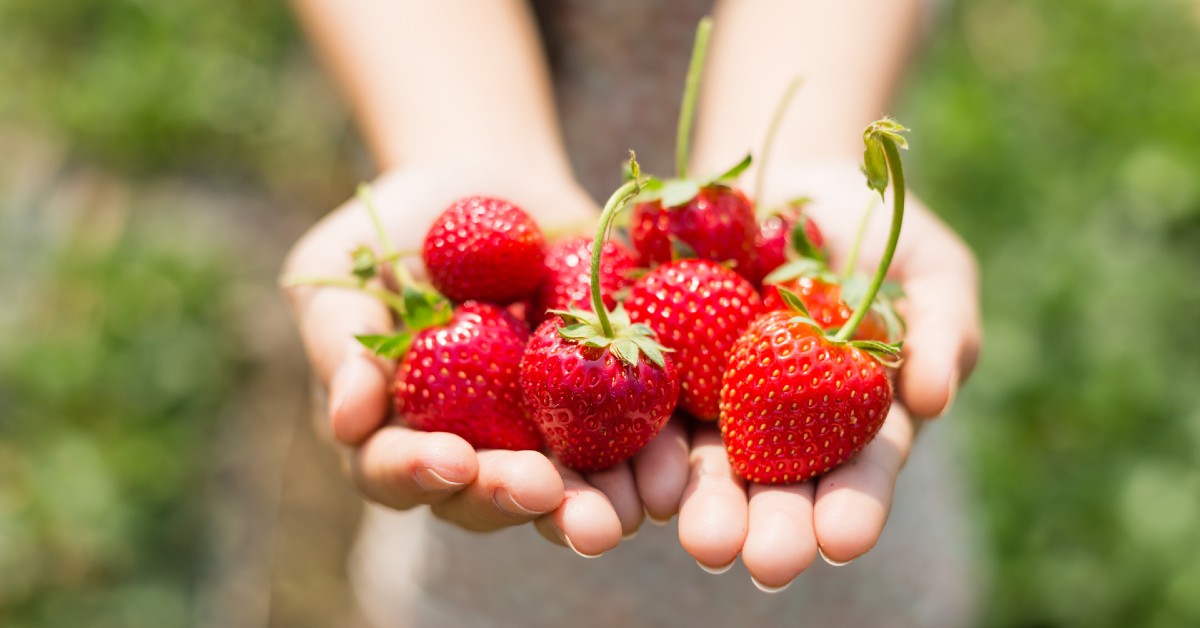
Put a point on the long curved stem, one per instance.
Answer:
(687, 110)
(769, 141)
(852, 257)
(615, 203)
(897, 172)
(403, 277)
(389, 298)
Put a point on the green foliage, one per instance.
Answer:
(113, 373)
(1061, 139)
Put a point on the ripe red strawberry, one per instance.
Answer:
(774, 238)
(568, 277)
(485, 249)
(698, 308)
(594, 406)
(716, 224)
(823, 300)
(795, 403)
(463, 377)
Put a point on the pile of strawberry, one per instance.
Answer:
(587, 346)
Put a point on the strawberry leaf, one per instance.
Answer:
(627, 350)
(887, 354)
(578, 331)
(733, 173)
(802, 245)
(680, 249)
(363, 265)
(653, 351)
(678, 192)
(793, 302)
(424, 309)
(803, 267)
(387, 346)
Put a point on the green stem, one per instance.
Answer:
(389, 298)
(615, 203)
(687, 110)
(769, 142)
(852, 259)
(403, 277)
(897, 172)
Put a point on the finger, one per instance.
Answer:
(402, 468)
(713, 513)
(358, 382)
(619, 487)
(942, 341)
(512, 487)
(586, 521)
(853, 500)
(661, 471)
(781, 542)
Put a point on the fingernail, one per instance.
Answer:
(429, 480)
(567, 540)
(766, 589)
(831, 561)
(716, 570)
(504, 501)
(951, 391)
(656, 521)
(629, 536)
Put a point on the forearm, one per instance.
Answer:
(442, 83)
(850, 56)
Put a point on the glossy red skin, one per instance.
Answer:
(795, 405)
(718, 224)
(774, 238)
(485, 249)
(594, 410)
(464, 378)
(568, 280)
(824, 303)
(698, 308)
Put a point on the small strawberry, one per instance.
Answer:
(797, 401)
(777, 234)
(484, 249)
(715, 223)
(568, 277)
(689, 217)
(463, 377)
(822, 298)
(595, 398)
(698, 308)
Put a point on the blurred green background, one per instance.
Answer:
(157, 158)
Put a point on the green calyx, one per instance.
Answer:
(887, 354)
(680, 191)
(628, 341)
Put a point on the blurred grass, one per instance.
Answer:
(1060, 138)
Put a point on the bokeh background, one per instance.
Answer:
(157, 465)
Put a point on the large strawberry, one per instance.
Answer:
(463, 377)
(705, 218)
(485, 249)
(598, 385)
(797, 401)
(568, 277)
(698, 308)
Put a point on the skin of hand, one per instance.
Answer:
(404, 468)
(779, 530)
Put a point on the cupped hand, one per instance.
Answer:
(404, 468)
(780, 530)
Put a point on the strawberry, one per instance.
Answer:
(776, 234)
(595, 406)
(717, 223)
(796, 400)
(595, 398)
(568, 274)
(796, 404)
(485, 249)
(823, 300)
(698, 308)
(463, 377)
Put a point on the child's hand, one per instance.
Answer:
(780, 529)
(403, 468)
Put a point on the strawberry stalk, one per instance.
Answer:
(687, 110)
(615, 204)
(403, 277)
(883, 140)
(769, 141)
(852, 257)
